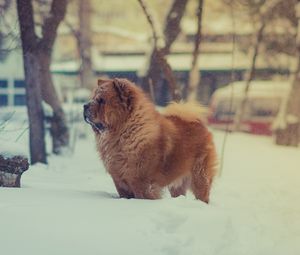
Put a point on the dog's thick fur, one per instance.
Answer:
(144, 150)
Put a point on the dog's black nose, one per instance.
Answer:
(85, 106)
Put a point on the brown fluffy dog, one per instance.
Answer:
(145, 151)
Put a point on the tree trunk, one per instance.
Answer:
(287, 123)
(58, 127)
(34, 108)
(84, 44)
(159, 71)
(194, 75)
(32, 80)
(240, 111)
(11, 170)
(153, 73)
(287, 127)
(37, 58)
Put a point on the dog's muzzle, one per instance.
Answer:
(86, 113)
(97, 127)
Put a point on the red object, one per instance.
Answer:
(259, 127)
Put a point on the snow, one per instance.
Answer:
(10, 149)
(292, 119)
(140, 37)
(13, 130)
(71, 207)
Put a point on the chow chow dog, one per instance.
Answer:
(145, 151)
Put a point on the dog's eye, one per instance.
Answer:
(101, 101)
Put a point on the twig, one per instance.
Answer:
(194, 77)
(2, 125)
(150, 21)
(74, 31)
(22, 133)
(232, 78)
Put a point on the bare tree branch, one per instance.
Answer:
(51, 23)
(250, 74)
(25, 12)
(4, 5)
(171, 27)
(73, 30)
(149, 16)
(265, 13)
(159, 68)
(194, 76)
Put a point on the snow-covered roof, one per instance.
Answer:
(179, 62)
(13, 65)
(67, 66)
(258, 89)
(142, 37)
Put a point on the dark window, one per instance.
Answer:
(19, 100)
(3, 100)
(263, 112)
(264, 107)
(3, 83)
(19, 84)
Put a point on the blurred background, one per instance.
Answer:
(239, 58)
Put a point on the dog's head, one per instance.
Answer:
(111, 103)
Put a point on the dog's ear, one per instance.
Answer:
(102, 80)
(124, 92)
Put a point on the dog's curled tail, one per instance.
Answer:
(189, 111)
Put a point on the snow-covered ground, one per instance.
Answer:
(71, 207)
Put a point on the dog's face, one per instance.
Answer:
(110, 105)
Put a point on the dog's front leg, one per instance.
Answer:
(123, 188)
(145, 190)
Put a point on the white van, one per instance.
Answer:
(263, 102)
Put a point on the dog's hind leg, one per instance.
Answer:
(179, 187)
(202, 176)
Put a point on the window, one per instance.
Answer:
(264, 107)
(3, 100)
(19, 84)
(3, 83)
(225, 110)
(19, 100)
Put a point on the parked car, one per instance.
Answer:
(263, 102)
